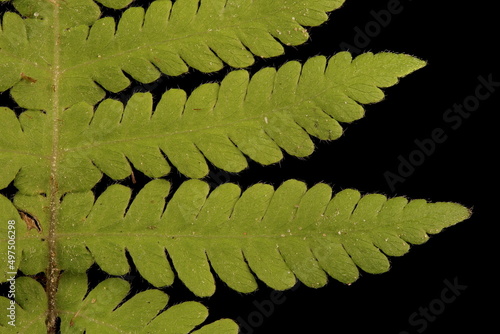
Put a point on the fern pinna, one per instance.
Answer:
(58, 60)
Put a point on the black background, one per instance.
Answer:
(458, 42)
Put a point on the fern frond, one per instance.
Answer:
(59, 59)
(278, 235)
(34, 51)
(224, 123)
(25, 150)
(102, 310)
(23, 238)
(167, 38)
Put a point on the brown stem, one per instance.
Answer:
(53, 272)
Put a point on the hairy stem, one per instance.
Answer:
(53, 271)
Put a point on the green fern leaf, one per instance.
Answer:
(102, 310)
(78, 54)
(257, 117)
(23, 237)
(59, 59)
(279, 235)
